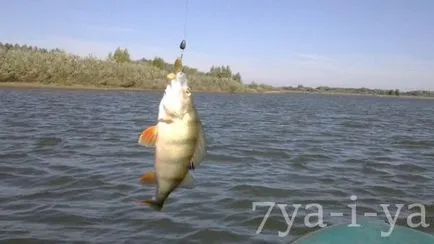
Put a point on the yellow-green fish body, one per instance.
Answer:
(178, 139)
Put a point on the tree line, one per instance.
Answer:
(32, 64)
(223, 71)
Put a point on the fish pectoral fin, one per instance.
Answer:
(149, 136)
(149, 178)
(200, 150)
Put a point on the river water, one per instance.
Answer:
(70, 166)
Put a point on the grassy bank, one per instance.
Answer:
(28, 66)
(32, 65)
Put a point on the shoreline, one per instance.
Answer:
(30, 85)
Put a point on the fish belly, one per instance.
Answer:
(174, 151)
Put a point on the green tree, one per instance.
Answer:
(121, 55)
(237, 77)
(159, 63)
(221, 71)
(8, 46)
(227, 72)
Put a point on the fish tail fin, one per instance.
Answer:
(157, 205)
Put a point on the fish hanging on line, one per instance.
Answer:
(178, 138)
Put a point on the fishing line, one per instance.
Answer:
(185, 19)
(183, 43)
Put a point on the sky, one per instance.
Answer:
(386, 44)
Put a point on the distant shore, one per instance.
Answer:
(30, 85)
(34, 85)
(25, 66)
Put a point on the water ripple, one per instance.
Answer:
(70, 165)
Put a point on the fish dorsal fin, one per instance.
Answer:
(200, 148)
